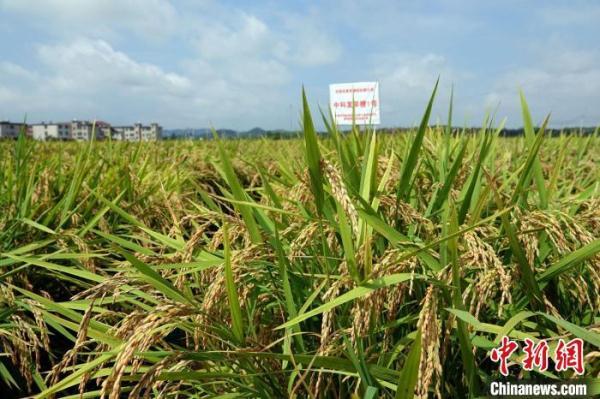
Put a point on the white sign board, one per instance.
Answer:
(363, 97)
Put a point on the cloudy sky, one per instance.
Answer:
(187, 63)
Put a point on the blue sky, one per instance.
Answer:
(239, 64)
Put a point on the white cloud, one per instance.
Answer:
(245, 35)
(406, 82)
(87, 78)
(409, 71)
(298, 40)
(206, 61)
(308, 44)
(86, 64)
(16, 86)
(14, 71)
(244, 64)
(401, 20)
(147, 18)
(565, 83)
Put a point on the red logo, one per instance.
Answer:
(568, 355)
(535, 355)
(507, 348)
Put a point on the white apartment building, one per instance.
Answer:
(84, 130)
(152, 132)
(103, 130)
(10, 130)
(51, 131)
(81, 131)
(129, 133)
(138, 132)
(115, 133)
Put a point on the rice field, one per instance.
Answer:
(355, 264)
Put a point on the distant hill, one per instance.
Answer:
(257, 131)
(185, 133)
(206, 133)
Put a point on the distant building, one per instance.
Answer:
(129, 133)
(84, 130)
(152, 132)
(51, 131)
(103, 130)
(10, 130)
(138, 132)
(116, 133)
(81, 131)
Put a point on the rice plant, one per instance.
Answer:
(354, 264)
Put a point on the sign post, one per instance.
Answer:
(360, 97)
